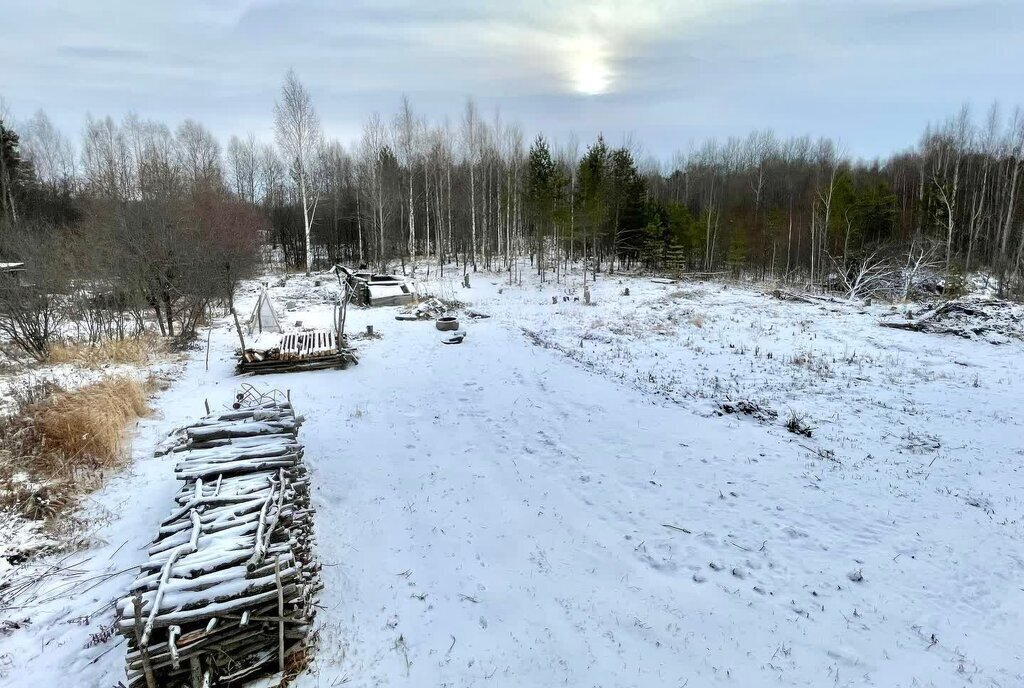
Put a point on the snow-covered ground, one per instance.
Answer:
(562, 500)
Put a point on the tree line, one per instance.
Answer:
(473, 192)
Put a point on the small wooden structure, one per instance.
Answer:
(229, 589)
(371, 289)
(12, 275)
(271, 349)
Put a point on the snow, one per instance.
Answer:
(561, 500)
(264, 341)
(21, 377)
(19, 536)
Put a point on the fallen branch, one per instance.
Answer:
(669, 525)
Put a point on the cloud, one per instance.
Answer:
(872, 72)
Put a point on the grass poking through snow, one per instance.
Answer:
(133, 351)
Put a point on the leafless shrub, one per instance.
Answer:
(172, 257)
(33, 299)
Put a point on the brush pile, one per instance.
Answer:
(229, 588)
(992, 320)
(428, 309)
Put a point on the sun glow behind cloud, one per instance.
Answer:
(597, 37)
(589, 66)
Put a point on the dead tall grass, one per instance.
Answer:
(90, 422)
(133, 351)
(58, 448)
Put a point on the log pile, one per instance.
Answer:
(229, 588)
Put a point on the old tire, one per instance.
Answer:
(446, 323)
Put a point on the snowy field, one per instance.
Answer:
(566, 498)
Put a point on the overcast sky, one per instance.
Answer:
(871, 73)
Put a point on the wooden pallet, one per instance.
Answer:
(308, 344)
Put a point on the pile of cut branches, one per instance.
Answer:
(992, 319)
(228, 591)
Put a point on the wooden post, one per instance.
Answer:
(280, 614)
(238, 329)
(369, 330)
(143, 650)
(207, 402)
(172, 634)
(343, 312)
(209, 331)
(197, 673)
(234, 315)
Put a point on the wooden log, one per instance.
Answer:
(181, 549)
(204, 609)
(150, 679)
(197, 672)
(280, 612)
(172, 633)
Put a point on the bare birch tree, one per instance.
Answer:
(300, 138)
(471, 153)
(406, 137)
(243, 167)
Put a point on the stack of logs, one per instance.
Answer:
(229, 588)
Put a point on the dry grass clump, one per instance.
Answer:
(54, 449)
(90, 422)
(297, 662)
(134, 351)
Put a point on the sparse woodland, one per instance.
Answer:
(139, 221)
